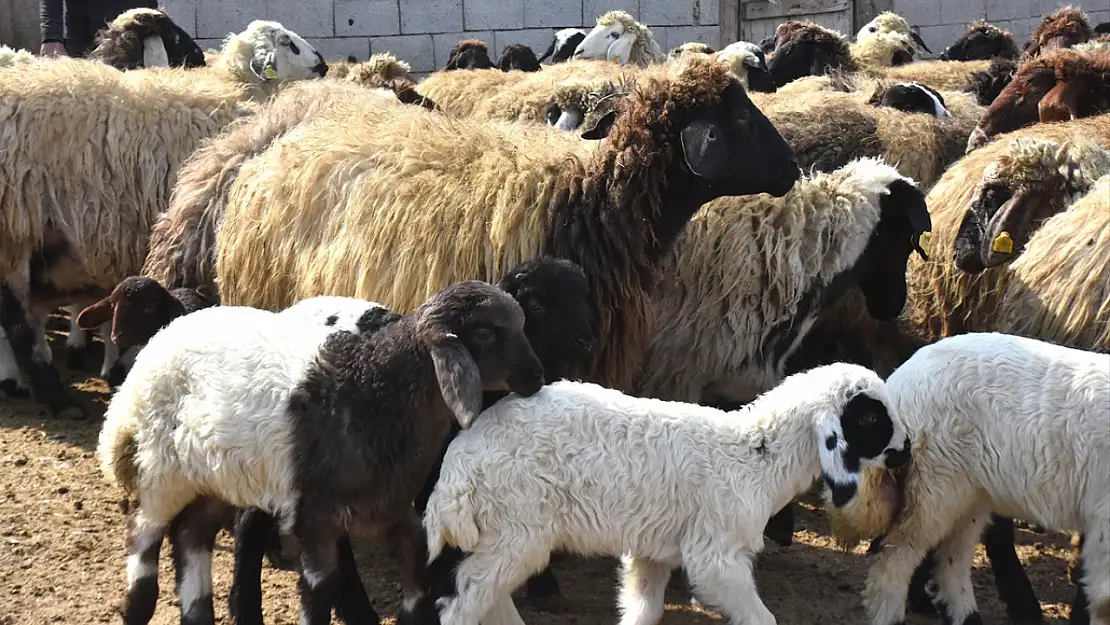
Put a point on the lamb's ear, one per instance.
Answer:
(459, 379)
(621, 49)
(906, 197)
(96, 315)
(704, 148)
(601, 128)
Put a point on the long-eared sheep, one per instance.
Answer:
(563, 45)
(1056, 86)
(302, 421)
(145, 38)
(665, 484)
(65, 237)
(486, 196)
(749, 64)
(969, 404)
(517, 56)
(982, 41)
(619, 38)
(1062, 29)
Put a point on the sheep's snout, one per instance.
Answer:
(977, 140)
(527, 375)
(321, 69)
(896, 458)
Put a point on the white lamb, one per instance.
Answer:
(582, 468)
(1001, 424)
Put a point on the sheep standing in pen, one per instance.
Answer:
(619, 38)
(970, 403)
(982, 41)
(487, 196)
(145, 38)
(528, 99)
(76, 247)
(311, 437)
(664, 484)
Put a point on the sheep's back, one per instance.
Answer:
(940, 75)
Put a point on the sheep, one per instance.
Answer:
(715, 479)
(1062, 29)
(691, 47)
(1028, 183)
(80, 245)
(145, 38)
(557, 322)
(1057, 478)
(1100, 44)
(517, 56)
(883, 50)
(890, 22)
(383, 71)
(1103, 28)
(982, 41)
(911, 98)
(581, 106)
(10, 57)
(189, 452)
(138, 307)
(1055, 86)
(988, 84)
(748, 63)
(619, 38)
(805, 49)
(528, 100)
(563, 45)
(474, 195)
(458, 93)
(468, 54)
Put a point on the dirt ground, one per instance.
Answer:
(62, 558)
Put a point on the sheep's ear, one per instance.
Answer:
(704, 147)
(601, 127)
(621, 49)
(459, 380)
(96, 315)
(910, 199)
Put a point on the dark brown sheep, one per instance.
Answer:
(982, 41)
(469, 54)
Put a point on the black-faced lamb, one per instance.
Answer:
(911, 98)
(239, 407)
(969, 403)
(982, 41)
(517, 56)
(664, 484)
(145, 38)
(469, 54)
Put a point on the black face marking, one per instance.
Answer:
(867, 428)
(830, 442)
(330, 321)
(841, 493)
(375, 319)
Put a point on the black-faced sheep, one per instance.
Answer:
(806, 49)
(982, 41)
(517, 56)
(988, 84)
(145, 38)
(663, 484)
(472, 189)
(563, 45)
(139, 307)
(1062, 29)
(619, 38)
(911, 98)
(468, 54)
(312, 441)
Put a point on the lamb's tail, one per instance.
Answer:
(117, 449)
(450, 518)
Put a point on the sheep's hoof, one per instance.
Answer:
(11, 388)
(116, 376)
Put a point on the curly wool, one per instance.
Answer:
(1069, 23)
(877, 52)
(527, 100)
(10, 57)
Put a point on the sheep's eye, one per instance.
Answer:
(150, 308)
(613, 35)
(483, 335)
(534, 306)
(872, 28)
(553, 113)
(868, 420)
(293, 48)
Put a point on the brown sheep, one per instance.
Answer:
(982, 41)
(1062, 29)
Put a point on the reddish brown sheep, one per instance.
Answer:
(1062, 29)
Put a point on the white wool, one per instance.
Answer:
(1004, 425)
(318, 309)
(582, 468)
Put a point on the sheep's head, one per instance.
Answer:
(910, 97)
(563, 45)
(889, 22)
(138, 307)
(1032, 180)
(558, 318)
(469, 54)
(583, 107)
(474, 333)
(982, 41)
(989, 84)
(884, 50)
(145, 38)
(690, 47)
(1062, 29)
(517, 56)
(273, 53)
(811, 50)
(747, 62)
(620, 39)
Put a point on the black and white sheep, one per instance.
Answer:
(665, 484)
(233, 406)
(146, 38)
(563, 45)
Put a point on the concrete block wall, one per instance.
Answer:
(941, 22)
(422, 32)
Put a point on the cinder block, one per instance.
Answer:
(360, 18)
(1098, 17)
(210, 44)
(940, 37)
(707, 12)
(552, 13)
(442, 44)
(1008, 9)
(339, 48)
(962, 12)
(431, 16)
(493, 14)
(217, 18)
(670, 37)
(183, 13)
(593, 9)
(307, 19)
(918, 12)
(536, 38)
(415, 49)
(666, 12)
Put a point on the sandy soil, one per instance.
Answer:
(62, 558)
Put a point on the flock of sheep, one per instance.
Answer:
(627, 303)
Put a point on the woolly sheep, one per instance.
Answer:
(1057, 85)
(473, 196)
(808, 49)
(144, 37)
(911, 97)
(619, 38)
(10, 57)
(1003, 387)
(690, 47)
(85, 244)
(889, 22)
(240, 437)
(1062, 29)
(666, 484)
(517, 56)
(982, 41)
(468, 54)
(749, 64)
(563, 45)
(382, 71)
(527, 100)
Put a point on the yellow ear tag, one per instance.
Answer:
(924, 239)
(1003, 244)
(269, 72)
(616, 58)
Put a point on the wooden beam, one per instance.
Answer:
(793, 8)
(866, 10)
(729, 20)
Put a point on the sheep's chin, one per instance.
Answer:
(869, 513)
(569, 120)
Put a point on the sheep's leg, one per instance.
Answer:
(10, 380)
(484, 582)
(255, 532)
(1095, 580)
(918, 597)
(77, 340)
(780, 527)
(544, 592)
(46, 385)
(319, 582)
(643, 584)
(1013, 584)
(144, 541)
(955, 597)
(193, 537)
(354, 606)
(1079, 613)
(410, 549)
(111, 351)
(42, 344)
(724, 582)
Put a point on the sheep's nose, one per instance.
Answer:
(586, 344)
(896, 458)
